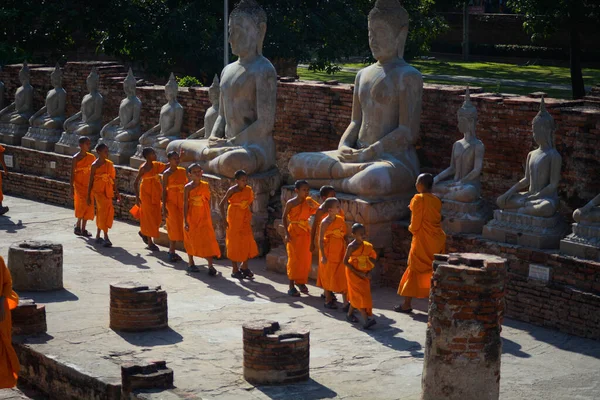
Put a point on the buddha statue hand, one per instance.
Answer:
(350, 155)
(217, 142)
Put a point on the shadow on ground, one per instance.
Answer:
(309, 390)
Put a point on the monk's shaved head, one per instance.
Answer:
(426, 180)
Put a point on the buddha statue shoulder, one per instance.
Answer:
(376, 156)
(242, 135)
(19, 111)
(170, 120)
(211, 114)
(52, 115)
(88, 121)
(126, 127)
(542, 173)
(461, 180)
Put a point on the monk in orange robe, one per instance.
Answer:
(199, 236)
(3, 210)
(9, 362)
(174, 180)
(239, 238)
(428, 239)
(102, 186)
(148, 194)
(332, 246)
(360, 259)
(81, 167)
(296, 213)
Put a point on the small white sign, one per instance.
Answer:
(8, 160)
(539, 272)
(53, 164)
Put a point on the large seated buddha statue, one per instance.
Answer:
(242, 136)
(121, 135)
(86, 122)
(14, 118)
(376, 156)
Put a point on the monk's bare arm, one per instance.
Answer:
(72, 177)
(223, 204)
(91, 182)
(286, 210)
(313, 229)
(186, 194)
(136, 184)
(165, 184)
(350, 136)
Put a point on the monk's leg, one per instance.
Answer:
(364, 315)
(98, 234)
(234, 267)
(211, 269)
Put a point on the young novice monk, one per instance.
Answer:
(81, 168)
(3, 210)
(199, 236)
(239, 238)
(428, 239)
(297, 238)
(332, 246)
(360, 260)
(174, 180)
(102, 185)
(148, 195)
(9, 300)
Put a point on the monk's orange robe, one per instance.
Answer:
(333, 275)
(150, 197)
(9, 363)
(81, 180)
(239, 238)
(298, 247)
(103, 190)
(2, 149)
(359, 288)
(318, 226)
(177, 181)
(428, 239)
(200, 240)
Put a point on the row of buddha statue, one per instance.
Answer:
(375, 161)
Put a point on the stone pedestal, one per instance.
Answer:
(273, 355)
(36, 266)
(153, 375)
(12, 134)
(464, 217)
(463, 345)
(68, 144)
(28, 318)
(135, 307)
(119, 152)
(525, 230)
(41, 138)
(584, 242)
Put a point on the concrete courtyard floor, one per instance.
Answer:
(204, 343)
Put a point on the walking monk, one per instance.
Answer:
(148, 194)
(360, 260)
(199, 236)
(81, 168)
(296, 213)
(239, 238)
(3, 210)
(332, 246)
(428, 239)
(102, 186)
(9, 363)
(174, 180)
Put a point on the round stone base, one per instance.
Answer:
(36, 265)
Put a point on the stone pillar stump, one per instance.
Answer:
(36, 265)
(28, 318)
(135, 307)
(153, 375)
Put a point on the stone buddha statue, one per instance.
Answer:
(52, 115)
(210, 117)
(88, 121)
(376, 157)
(14, 119)
(466, 161)
(589, 214)
(242, 135)
(121, 135)
(584, 241)
(542, 173)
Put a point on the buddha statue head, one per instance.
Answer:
(129, 84)
(171, 88)
(543, 126)
(247, 28)
(24, 74)
(56, 76)
(388, 29)
(467, 115)
(92, 80)
(214, 91)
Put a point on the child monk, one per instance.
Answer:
(239, 238)
(9, 362)
(199, 236)
(102, 187)
(332, 246)
(148, 194)
(81, 168)
(174, 180)
(428, 239)
(296, 213)
(360, 259)
(3, 210)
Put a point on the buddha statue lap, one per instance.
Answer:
(14, 118)
(121, 135)
(87, 122)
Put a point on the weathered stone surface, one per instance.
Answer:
(12, 134)
(584, 242)
(153, 375)
(135, 307)
(41, 138)
(459, 217)
(36, 265)
(28, 318)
